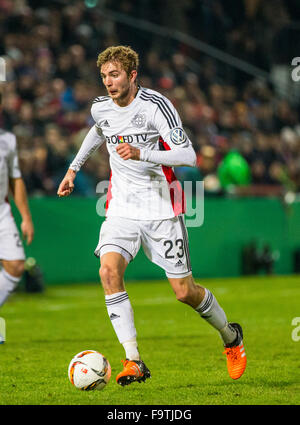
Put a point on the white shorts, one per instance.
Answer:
(11, 246)
(164, 242)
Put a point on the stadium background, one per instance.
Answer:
(225, 65)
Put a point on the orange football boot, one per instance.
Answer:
(235, 353)
(134, 370)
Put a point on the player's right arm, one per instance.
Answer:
(18, 189)
(67, 184)
(92, 141)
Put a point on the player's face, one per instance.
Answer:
(118, 85)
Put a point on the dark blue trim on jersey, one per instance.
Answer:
(165, 109)
(176, 124)
(164, 104)
(101, 99)
(160, 108)
(98, 256)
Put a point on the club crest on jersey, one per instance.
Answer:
(178, 136)
(139, 120)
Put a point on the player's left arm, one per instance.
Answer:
(179, 150)
(20, 197)
(18, 189)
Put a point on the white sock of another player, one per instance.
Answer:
(7, 285)
(121, 315)
(210, 310)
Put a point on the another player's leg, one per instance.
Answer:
(12, 257)
(10, 276)
(113, 266)
(205, 303)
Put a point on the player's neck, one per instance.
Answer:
(125, 101)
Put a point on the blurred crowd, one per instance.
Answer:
(51, 50)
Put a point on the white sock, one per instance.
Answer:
(210, 310)
(121, 315)
(7, 284)
(131, 349)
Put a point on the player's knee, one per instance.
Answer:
(109, 275)
(15, 268)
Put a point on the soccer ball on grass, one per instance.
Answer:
(89, 370)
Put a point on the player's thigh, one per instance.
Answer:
(120, 235)
(165, 243)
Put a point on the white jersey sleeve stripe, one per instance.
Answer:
(164, 102)
(163, 107)
(160, 108)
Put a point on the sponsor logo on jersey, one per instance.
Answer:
(132, 138)
(178, 136)
(139, 120)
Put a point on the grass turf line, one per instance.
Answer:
(183, 352)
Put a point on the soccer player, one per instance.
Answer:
(145, 140)
(12, 254)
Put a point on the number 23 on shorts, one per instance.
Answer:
(169, 253)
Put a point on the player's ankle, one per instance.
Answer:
(131, 349)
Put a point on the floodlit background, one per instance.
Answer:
(226, 66)
(231, 68)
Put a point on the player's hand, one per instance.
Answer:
(67, 184)
(127, 151)
(27, 230)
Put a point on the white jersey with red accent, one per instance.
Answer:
(139, 189)
(9, 167)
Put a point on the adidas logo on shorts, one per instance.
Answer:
(179, 263)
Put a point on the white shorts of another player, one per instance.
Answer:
(11, 246)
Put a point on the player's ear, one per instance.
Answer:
(133, 75)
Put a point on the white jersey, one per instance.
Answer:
(9, 167)
(139, 189)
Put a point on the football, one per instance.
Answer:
(89, 370)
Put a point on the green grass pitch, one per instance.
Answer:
(183, 352)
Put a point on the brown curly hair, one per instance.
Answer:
(128, 58)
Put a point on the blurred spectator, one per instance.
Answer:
(234, 171)
(241, 129)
